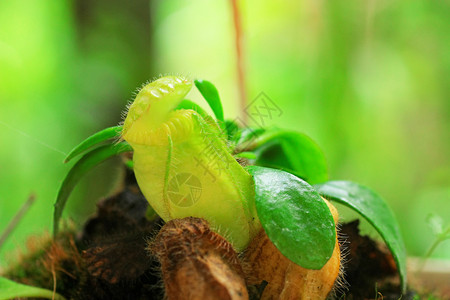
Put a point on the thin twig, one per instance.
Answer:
(442, 237)
(239, 37)
(17, 218)
(54, 280)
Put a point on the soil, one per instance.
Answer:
(109, 258)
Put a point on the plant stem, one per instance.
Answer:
(237, 20)
(260, 140)
(17, 218)
(442, 237)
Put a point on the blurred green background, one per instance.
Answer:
(367, 80)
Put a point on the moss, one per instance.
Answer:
(48, 263)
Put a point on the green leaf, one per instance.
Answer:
(293, 152)
(78, 170)
(188, 104)
(211, 95)
(93, 140)
(294, 217)
(12, 290)
(372, 207)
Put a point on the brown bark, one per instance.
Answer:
(197, 263)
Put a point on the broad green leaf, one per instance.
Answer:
(211, 95)
(79, 169)
(294, 217)
(293, 152)
(12, 290)
(372, 207)
(93, 140)
(188, 104)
